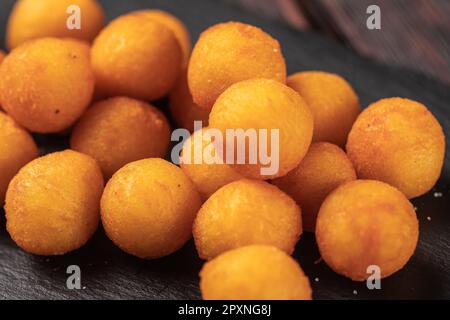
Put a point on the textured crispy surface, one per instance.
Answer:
(148, 208)
(52, 204)
(247, 212)
(230, 52)
(324, 168)
(400, 142)
(255, 272)
(363, 223)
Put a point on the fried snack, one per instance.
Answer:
(324, 168)
(400, 142)
(247, 212)
(52, 204)
(33, 19)
(364, 223)
(121, 130)
(230, 52)
(255, 272)
(148, 208)
(17, 148)
(137, 57)
(268, 107)
(46, 84)
(333, 102)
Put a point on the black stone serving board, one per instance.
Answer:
(108, 273)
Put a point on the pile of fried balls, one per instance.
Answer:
(345, 175)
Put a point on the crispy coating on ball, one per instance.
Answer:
(255, 272)
(121, 130)
(46, 84)
(270, 105)
(324, 168)
(33, 19)
(400, 142)
(333, 102)
(148, 208)
(364, 223)
(52, 204)
(247, 212)
(230, 52)
(137, 57)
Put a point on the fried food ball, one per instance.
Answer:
(364, 223)
(247, 212)
(255, 272)
(264, 104)
(333, 102)
(46, 84)
(137, 57)
(324, 168)
(148, 208)
(17, 148)
(83, 45)
(33, 19)
(52, 204)
(398, 141)
(230, 52)
(121, 130)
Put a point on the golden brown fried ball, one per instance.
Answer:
(52, 204)
(17, 148)
(33, 19)
(137, 57)
(255, 272)
(148, 208)
(247, 212)
(46, 84)
(325, 167)
(333, 103)
(121, 130)
(230, 52)
(364, 223)
(400, 142)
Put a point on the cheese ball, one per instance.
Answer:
(398, 141)
(46, 84)
(324, 168)
(255, 272)
(33, 19)
(270, 108)
(137, 57)
(52, 204)
(247, 212)
(230, 52)
(17, 148)
(121, 130)
(333, 102)
(364, 223)
(148, 208)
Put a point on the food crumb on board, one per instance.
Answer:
(429, 218)
(316, 279)
(355, 292)
(437, 194)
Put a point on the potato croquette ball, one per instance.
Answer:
(247, 212)
(272, 109)
(137, 57)
(207, 175)
(228, 53)
(33, 19)
(333, 103)
(17, 148)
(325, 167)
(148, 208)
(121, 130)
(398, 141)
(364, 223)
(52, 204)
(255, 272)
(46, 84)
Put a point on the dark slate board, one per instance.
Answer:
(108, 273)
